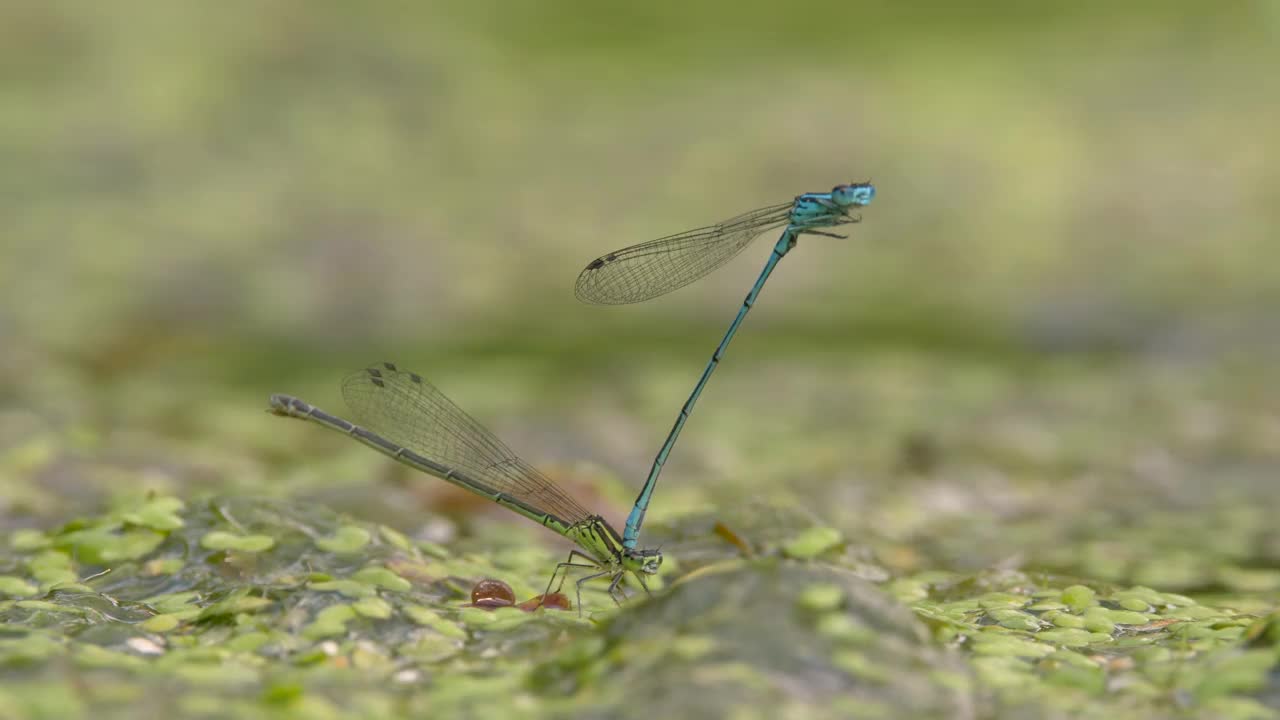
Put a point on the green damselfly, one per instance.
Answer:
(403, 416)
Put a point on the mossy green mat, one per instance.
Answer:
(247, 608)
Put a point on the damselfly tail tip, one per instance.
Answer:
(285, 405)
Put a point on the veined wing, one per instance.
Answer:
(406, 409)
(657, 267)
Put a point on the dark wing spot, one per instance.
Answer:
(596, 264)
(378, 382)
(389, 366)
(373, 372)
(416, 378)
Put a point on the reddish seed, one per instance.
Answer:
(490, 593)
(732, 538)
(553, 601)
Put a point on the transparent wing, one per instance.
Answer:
(409, 411)
(657, 267)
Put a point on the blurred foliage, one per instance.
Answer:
(183, 179)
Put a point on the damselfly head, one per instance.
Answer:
(643, 561)
(853, 194)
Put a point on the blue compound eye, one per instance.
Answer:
(856, 194)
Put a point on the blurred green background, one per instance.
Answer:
(1065, 293)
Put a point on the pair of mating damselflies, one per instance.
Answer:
(403, 416)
